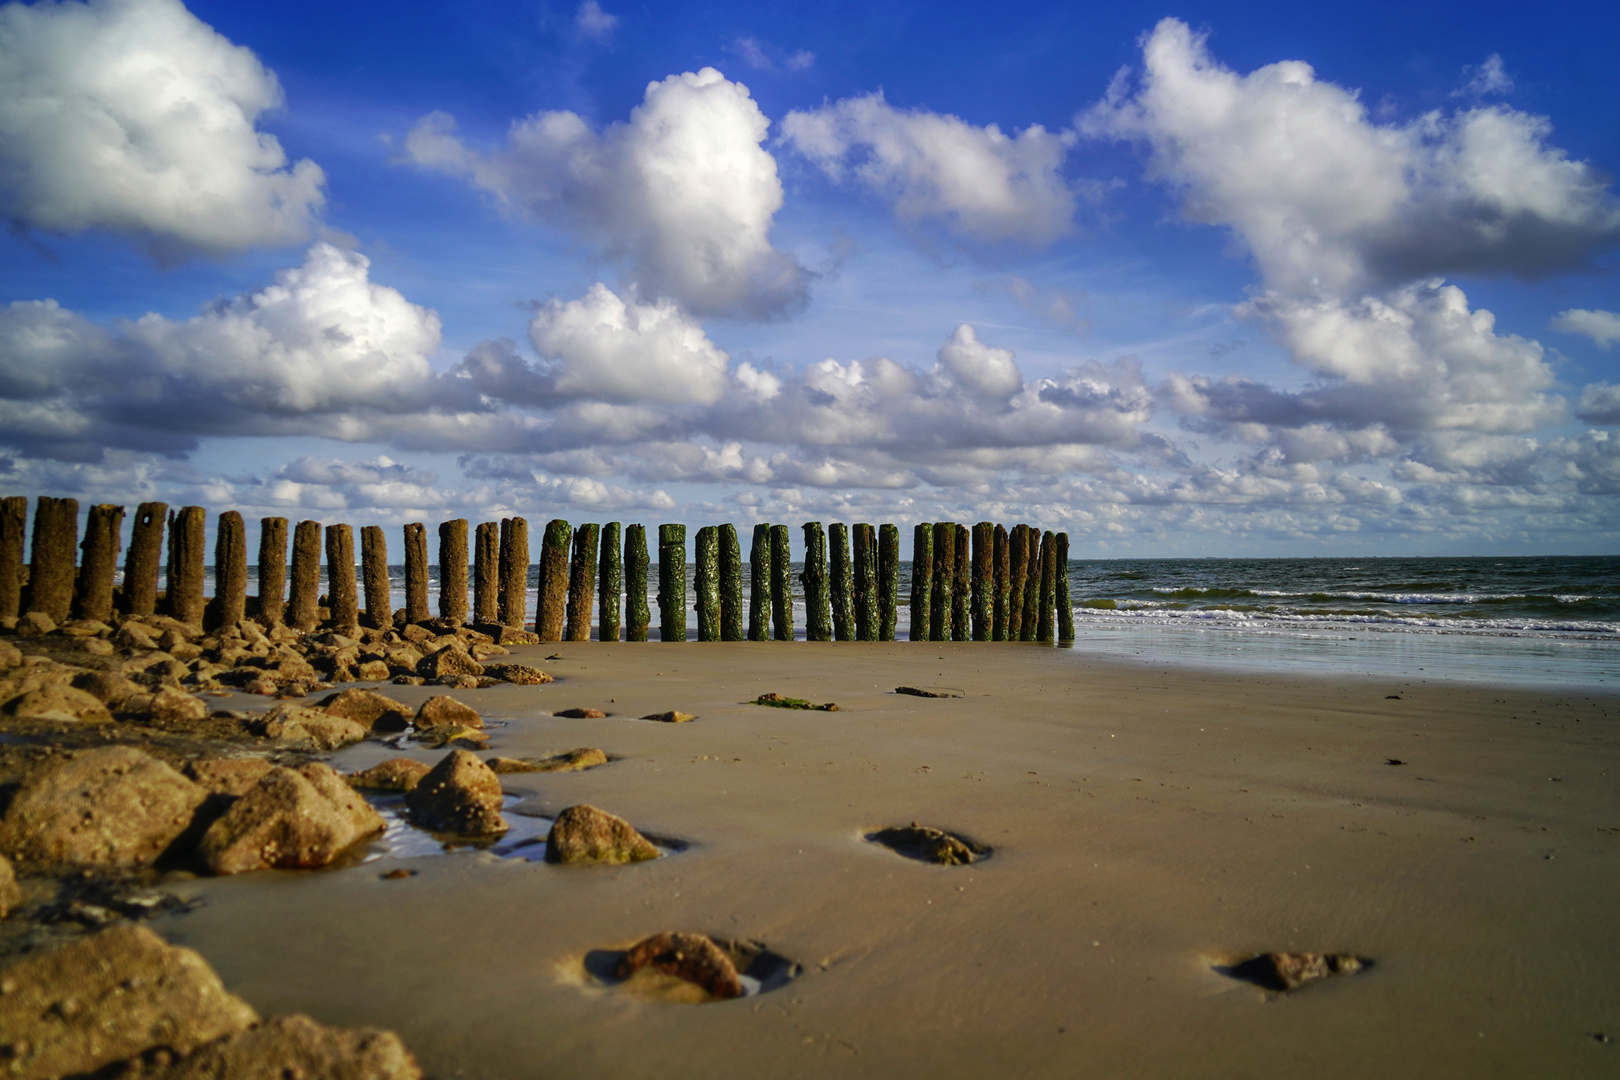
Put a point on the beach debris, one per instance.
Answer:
(673, 716)
(692, 958)
(395, 774)
(232, 776)
(918, 691)
(1288, 971)
(314, 729)
(777, 701)
(295, 1046)
(10, 892)
(291, 819)
(584, 833)
(928, 844)
(519, 674)
(586, 757)
(1394, 761)
(580, 714)
(369, 709)
(441, 735)
(443, 709)
(1392, 697)
(397, 875)
(114, 806)
(459, 795)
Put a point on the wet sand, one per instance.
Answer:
(1146, 824)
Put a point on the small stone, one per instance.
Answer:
(567, 761)
(460, 682)
(460, 795)
(917, 691)
(35, 624)
(441, 709)
(397, 875)
(395, 774)
(521, 674)
(585, 834)
(369, 709)
(94, 646)
(691, 958)
(408, 680)
(451, 735)
(929, 844)
(373, 671)
(295, 725)
(581, 714)
(511, 635)
(1289, 971)
(673, 716)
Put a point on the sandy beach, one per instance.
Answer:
(1147, 823)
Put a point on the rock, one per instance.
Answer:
(585, 834)
(10, 892)
(460, 682)
(297, 1046)
(168, 707)
(692, 958)
(110, 807)
(480, 651)
(567, 761)
(106, 998)
(441, 709)
(264, 686)
(521, 674)
(61, 704)
(459, 795)
(416, 635)
(228, 776)
(451, 735)
(581, 714)
(671, 717)
(511, 635)
(291, 819)
(408, 680)
(917, 691)
(777, 701)
(295, 725)
(94, 646)
(133, 635)
(111, 688)
(929, 844)
(369, 709)
(10, 656)
(373, 671)
(35, 624)
(450, 660)
(1288, 971)
(395, 774)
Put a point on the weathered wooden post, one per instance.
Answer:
(514, 571)
(453, 570)
(944, 579)
(582, 582)
(1032, 585)
(13, 531)
(759, 585)
(731, 603)
(142, 560)
(922, 581)
(610, 583)
(272, 570)
(984, 542)
(1018, 567)
(1065, 606)
(888, 589)
(340, 587)
(817, 608)
(186, 565)
(866, 613)
(781, 583)
(552, 605)
(486, 573)
(672, 583)
(230, 570)
(843, 606)
(1044, 627)
(374, 577)
(103, 538)
(416, 573)
(52, 568)
(303, 603)
(961, 594)
(636, 613)
(706, 583)
(1002, 572)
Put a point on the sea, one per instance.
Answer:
(1527, 620)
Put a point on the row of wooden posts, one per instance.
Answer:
(984, 584)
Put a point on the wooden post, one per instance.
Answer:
(706, 583)
(486, 573)
(145, 554)
(888, 589)
(1065, 606)
(1044, 627)
(514, 570)
(610, 583)
(1032, 585)
(341, 598)
(781, 584)
(922, 581)
(51, 568)
(843, 607)
(759, 581)
(103, 537)
(582, 582)
(731, 605)
(272, 570)
(817, 608)
(230, 570)
(303, 603)
(984, 542)
(13, 531)
(944, 579)
(672, 583)
(1002, 570)
(866, 613)
(374, 575)
(636, 613)
(416, 573)
(453, 570)
(1017, 568)
(552, 606)
(186, 555)
(961, 594)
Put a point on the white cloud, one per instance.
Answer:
(986, 372)
(763, 56)
(136, 117)
(1057, 306)
(1603, 327)
(981, 182)
(1600, 404)
(592, 22)
(1489, 78)
(683, 194)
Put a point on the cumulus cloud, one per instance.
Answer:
(1603, 327)
(979, 369)
(1600, 404)
(1491, 77)
(136, 117)
(682, 194)
(981, 182)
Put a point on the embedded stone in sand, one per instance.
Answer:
(443, 709)
(928, 844)
(459, 795)
(923, 691)
(1289, 971)
(673, 716)
(586, 757)
(519, 674)
(692, 958)
(581, 714)
(777, 701)
(691, 968)
(585, 834)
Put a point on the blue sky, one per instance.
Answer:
(1204, 279)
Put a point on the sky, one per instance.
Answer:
(1214, 279)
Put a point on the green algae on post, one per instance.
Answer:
(922, 574)
(582, 583)
(781, 584)
(731, 605)
(636, 613)
(843, 611)
(610, 580)
(672, 583)
(888, 586)
(817, 610)
(706, 583)
(759, 581)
